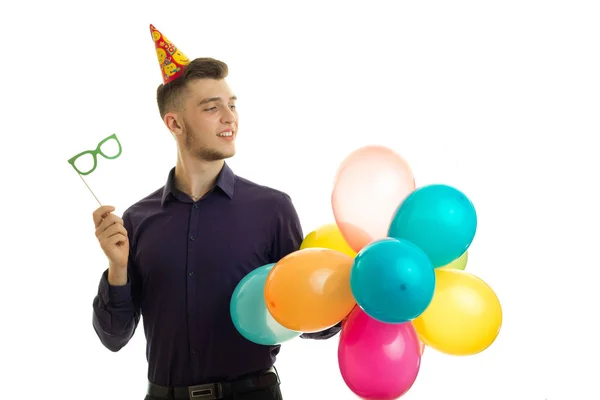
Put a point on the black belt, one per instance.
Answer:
(219, 390)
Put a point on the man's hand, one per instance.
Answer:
(113, 240)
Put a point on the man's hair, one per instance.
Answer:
(169, 97)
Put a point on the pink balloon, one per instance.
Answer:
(378, 360)
(369, 186)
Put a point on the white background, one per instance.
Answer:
(499, 99)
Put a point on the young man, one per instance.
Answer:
(177, 255)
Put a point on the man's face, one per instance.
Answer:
(209, 120)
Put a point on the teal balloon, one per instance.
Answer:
(392, 280)
(249, 311)
(439, 219)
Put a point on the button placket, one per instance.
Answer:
(192, 284)
(193, 232)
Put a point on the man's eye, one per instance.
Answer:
(211, 109)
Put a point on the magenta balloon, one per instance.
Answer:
(369, 186)
(378, 360)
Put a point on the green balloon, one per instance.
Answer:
(459, 263)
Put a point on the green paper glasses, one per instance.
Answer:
(104, 148)
(105, 152)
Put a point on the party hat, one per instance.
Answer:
(171, 60)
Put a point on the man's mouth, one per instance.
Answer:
(225, 134)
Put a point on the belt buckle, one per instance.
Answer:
(209, 391)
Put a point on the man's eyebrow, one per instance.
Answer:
(211, 99)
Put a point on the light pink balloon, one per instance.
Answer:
(369, 186)
(378, 360)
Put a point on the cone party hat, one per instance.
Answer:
(171, 60)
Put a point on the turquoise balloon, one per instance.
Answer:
(249, 312)
(392, 280)
(439, 219)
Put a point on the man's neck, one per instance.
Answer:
(196, 177)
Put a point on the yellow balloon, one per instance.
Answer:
(459, 263)
(330, 237)
(464, 316)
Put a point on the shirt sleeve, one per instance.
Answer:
(288, 238)
(116, 309)
(288, 235)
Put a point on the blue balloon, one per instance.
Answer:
(439, 219)
(249, 311)
(392, 280)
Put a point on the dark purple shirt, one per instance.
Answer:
(185, 261)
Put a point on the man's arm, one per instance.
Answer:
(288, 238)
(116, 308)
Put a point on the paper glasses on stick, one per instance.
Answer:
(86, 162)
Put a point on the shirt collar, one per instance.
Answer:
(225, 182)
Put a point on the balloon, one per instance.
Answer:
(378, 360)
(459, 263)
(328, 237)
(369, 185)
(464, 317)
(392, 280)
(249, 312)
(439, 219)
(421, 344)
(309, 289)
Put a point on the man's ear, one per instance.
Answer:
(173, 123)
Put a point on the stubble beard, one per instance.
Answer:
(203, 153)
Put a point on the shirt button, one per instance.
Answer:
(194, 352)
(195, 205)
(192, 238)
(191, 273)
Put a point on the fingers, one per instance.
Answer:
(112, 229)
(108, 221)
(100, 213)
(117, 238)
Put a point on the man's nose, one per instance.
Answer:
(228, 116)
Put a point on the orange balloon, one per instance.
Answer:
(309, 289)
(370, 185)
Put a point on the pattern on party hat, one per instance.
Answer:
(171, 60)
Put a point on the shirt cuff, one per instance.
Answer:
(325, 334)
(113, 294)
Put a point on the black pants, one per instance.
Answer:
(268, 393)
